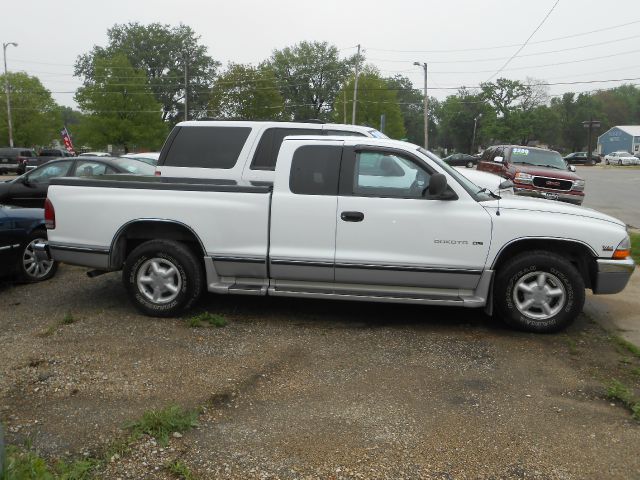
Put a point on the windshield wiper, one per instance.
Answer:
(490, 193)
(552, 166)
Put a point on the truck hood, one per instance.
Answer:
(549, 206)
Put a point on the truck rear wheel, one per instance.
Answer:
(163, 278)
(539, 292)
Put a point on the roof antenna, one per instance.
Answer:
(499, 197)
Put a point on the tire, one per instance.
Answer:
(620, 162)
(29, 269)
(469, 164)
(606, 161)
(163, 278)
(529, 269)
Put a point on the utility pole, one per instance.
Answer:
(426, 105)
(7, 90)
(355, 88)
(473, 141)
(186, 87)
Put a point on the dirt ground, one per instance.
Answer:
(311, 389)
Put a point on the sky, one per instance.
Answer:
(464, 42)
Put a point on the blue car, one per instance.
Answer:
(20, 230)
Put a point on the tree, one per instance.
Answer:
(117, 113)
(411, 103)
(161, 52)
(35, 115)
(457, 116)
(247, 93)
(374, 99)
(309, 76)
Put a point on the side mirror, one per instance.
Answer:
(505, 185)
(572, 168)
(498, 159)
(438, 188)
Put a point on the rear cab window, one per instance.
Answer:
(206, 147)
(269, 145)
(315, 170)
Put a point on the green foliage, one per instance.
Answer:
(309, 76)
(68, 319)
(118, 113)
(244, 92)
(456, 116)
(35, 115)
(212, 319)
(159, 51)
(411, 103)
(180, 470)
(374, 99)
(23, 465)
(161, 423)
(635, 246)
(628, 346)
(619, 392)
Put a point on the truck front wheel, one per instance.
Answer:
(162, 277)
(539, 292)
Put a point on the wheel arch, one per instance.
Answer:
(581, 255)
(136, 232)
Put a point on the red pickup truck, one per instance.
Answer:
(535, 172)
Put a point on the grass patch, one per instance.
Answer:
(162, 423)
(635, 246)
(68, 319)
(572, 346)
(24, 464)
(621, 393)
(206, 318)
(180, 470)
(625, 345)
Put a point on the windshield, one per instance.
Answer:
(538, 158)
(135, 166)
(473, 189)
(376, 134)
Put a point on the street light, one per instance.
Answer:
(8, 90)
(426, 105)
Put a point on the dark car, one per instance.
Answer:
(581, 158)
(44, 156)
(13, 160)
(30, 189)
(535, 172)
(20, 230)
(461, 159)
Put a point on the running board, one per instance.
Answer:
(380, 297)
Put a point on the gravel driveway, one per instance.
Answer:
(310, 389)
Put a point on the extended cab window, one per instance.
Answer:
(315, 170)
(270, 143)
(207, 147)
(383, 174)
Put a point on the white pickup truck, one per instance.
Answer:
(345, 218)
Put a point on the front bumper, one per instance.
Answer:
(549, 195)
(612, 275)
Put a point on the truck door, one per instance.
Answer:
(303, 212)
(390, 235)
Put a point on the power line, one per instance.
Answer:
(496, 47)
(521, 56)
(526, 41)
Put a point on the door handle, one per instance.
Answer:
(352, 216)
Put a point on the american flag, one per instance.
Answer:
(66, 138)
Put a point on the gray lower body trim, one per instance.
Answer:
(240, 266)
(95, 257)
(613, 275)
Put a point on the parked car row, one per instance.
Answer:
(621, 158)
(30, 189)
